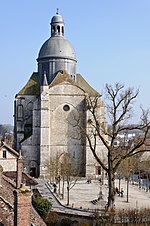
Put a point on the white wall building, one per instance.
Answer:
(8, 158)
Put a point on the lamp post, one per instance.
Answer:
(100, 195)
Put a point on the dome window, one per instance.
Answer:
(58, 29)
(53, 30)
(62, 31)
(66, 107)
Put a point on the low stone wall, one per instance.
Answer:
(75, 217)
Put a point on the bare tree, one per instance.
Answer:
(52, 167)
(144, 169)
(66, 174)
(126, 168)
(119, 109)
(59, 168)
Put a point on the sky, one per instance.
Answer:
(111, 39)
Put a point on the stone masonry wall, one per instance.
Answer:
(36, 219)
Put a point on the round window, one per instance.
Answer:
(66, 107)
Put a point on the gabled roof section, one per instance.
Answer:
(11, 150)
(82, 83)
(32, 87)
(79, 82)
(61, 77)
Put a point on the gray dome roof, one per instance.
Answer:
(57, 47)
(57, 19)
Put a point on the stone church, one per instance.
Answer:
(50, 110)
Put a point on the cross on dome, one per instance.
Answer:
(57, 12)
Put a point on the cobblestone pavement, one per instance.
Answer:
(83, 196)
(47, 192)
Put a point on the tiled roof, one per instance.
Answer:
(29, 180)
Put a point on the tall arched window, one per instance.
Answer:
(29, 111)
(20, 112)
(28, 120)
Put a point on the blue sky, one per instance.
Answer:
(111, 39)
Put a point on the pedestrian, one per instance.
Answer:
(117, 190)
(89, 180)
(121, 192)
(55, 186)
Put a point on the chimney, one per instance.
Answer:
(19, 170)
(22, 207)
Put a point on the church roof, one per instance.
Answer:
(61, 77)
(57, 47)
(83, 84)
(57, 18)
(80, 82)
(32, 87)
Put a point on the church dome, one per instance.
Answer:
(57, 52)
(57, 19)
(57, 47)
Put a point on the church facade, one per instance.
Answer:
(50, 110)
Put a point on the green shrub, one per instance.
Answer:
(42, 205)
